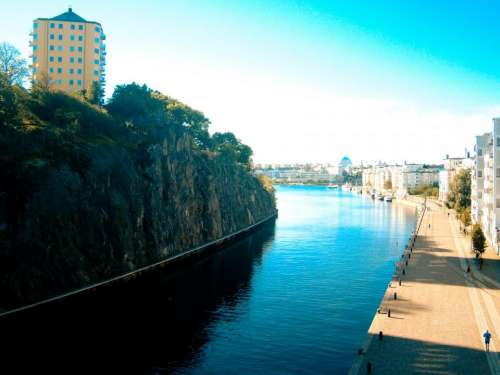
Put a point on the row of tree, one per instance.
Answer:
(459, 199)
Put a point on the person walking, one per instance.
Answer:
(487, 338)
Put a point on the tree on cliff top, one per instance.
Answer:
(96, 94)
(12, 65)
(135, 103)
(231, 148)
(143, 107)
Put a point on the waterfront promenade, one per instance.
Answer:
(439, 316)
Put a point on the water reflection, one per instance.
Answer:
(158, 324)
(295, 299)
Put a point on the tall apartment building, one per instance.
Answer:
(68, 51)
(485, 184)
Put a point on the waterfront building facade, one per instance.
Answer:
(68, 52)
(398, 179)
(485, 184)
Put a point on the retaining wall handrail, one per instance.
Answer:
(139, 270)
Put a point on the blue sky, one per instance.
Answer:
(308, 81)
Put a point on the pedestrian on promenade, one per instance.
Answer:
(487, 338)
(429, 225)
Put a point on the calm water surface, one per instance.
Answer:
(294, 298)
(311, 291)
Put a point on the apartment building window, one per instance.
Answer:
(35, 25)
(498, 141)
(71, 59)
(51, 58)
(59, 81)
(97, 40)
(96, 72)
(97, 29)
(80, 49)
(59, 59)
(71, 71)
(35, 36)
(80, 27)
(60, 48)
(59, 70)
(479, 152)
(51, 36)
(60, 25)
(80, 60)
(51, 47)
(96, 50)
(79, 82)
(52, 25)
(480, 174)
(60, 37)
(34, 70)
(96, 62)
(498, 172)
(72, 49)
(71, 82)
(79, 71)
(71, 37)
(80, 38)
(72, 27)
(34, 59)
(51, 70)
(35, 47)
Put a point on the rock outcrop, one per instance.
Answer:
(127, 209)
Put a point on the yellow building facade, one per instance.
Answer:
(68, 52)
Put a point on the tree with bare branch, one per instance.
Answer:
(12, 65)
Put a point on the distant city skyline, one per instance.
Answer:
(308, 81)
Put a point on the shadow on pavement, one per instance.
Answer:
(396, 355)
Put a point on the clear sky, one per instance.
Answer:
(307, 81)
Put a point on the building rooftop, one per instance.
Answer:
(69, 16)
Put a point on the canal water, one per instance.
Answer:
(310, 294)
(294, 298)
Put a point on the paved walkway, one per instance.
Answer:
(440, 313)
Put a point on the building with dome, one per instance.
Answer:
(345, 165)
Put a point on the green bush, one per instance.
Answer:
(428, 191)
(478, 240)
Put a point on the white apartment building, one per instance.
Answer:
(485, 184)
(402, 177)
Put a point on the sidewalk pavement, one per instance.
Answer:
(440, 312)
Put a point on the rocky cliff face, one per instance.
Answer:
(127, 210)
